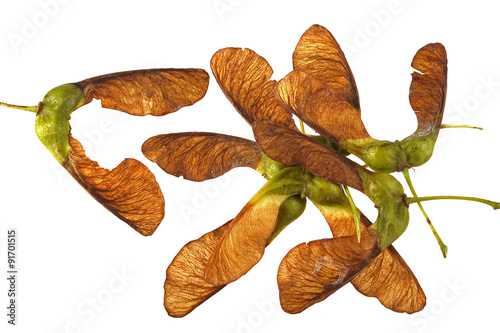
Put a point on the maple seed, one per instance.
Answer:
(387, 277)
(129, 191)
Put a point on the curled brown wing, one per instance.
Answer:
(428, 87)
(129, 191)
(200, 156)
(151, 91)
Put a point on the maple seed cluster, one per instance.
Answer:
(321, 92)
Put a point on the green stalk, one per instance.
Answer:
(493, 204)
(444, 248)
(461, 126)
(302, 129)
(19, 107)
(355, 212)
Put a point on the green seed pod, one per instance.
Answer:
(52, 121)
(268, 167)
(324, 193)
(290, 210)
(389, 198)
(382, 156)
(419, 149)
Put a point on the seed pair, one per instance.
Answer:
(130, 190)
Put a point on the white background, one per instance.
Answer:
(70, 249)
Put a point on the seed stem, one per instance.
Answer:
(493, 204)
(355, 211)
(444, 248)
(302, 129)
(461, 126)
(19, 107)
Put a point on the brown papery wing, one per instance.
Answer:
(243, 244)
(320, 107)
(319, 54)
(185, 285)
(387, 278)
(129, 191)
(293, 148)
(340, 219)
(312, 271)
(200, 156)
(151, 91)
(391, 281)
(428, 87)
(244, 77)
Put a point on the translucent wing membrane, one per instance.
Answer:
(428, 87)
(319, 54)
(129, 191)
(243, 244)
(201, 156)
(245, 239)
(185, 285)
(391, 281)
(244, 77)
(152, 91)
(269, 107)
